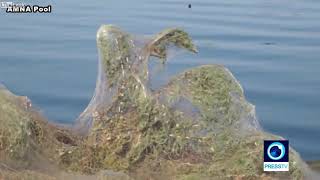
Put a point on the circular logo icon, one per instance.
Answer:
(276, 151)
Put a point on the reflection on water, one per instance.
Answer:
(271, 47)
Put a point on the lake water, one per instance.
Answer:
(271, 46)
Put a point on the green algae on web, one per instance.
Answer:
(115, 49)
(158, 46)
(209, 89)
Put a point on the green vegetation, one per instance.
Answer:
(199, 126)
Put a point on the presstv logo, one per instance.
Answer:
(276, 155)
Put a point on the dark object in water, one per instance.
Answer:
(269, 43)
(189, 5)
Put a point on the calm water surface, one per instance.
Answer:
(271, 46)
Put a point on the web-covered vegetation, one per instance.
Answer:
(198, 126)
